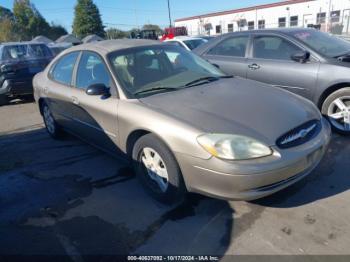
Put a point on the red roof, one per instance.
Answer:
(257, 7)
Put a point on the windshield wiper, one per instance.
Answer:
(158, 88)
(206, 79)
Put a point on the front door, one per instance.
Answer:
(95, 116)
(271, 63)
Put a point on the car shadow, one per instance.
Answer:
(330, 178)
(18, 100)
(68, 198)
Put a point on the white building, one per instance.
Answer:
(328, 15)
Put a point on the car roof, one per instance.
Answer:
(184, 37)
(273, 30)
(108, 46)
(20, 43)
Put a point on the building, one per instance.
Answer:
(328, 15)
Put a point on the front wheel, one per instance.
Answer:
(51, 126)
(158, 170)
(337, 109)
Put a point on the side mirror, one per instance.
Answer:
(97, 90)
(301, 56)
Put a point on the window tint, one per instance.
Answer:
(92, 70)
(192, 44)
(40, 50)
(160, 66)
(63, 69)
(235, 46)
(15, 52)
(273, 47)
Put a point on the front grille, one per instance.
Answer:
(300, 134)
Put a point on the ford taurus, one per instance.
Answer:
(185, 125)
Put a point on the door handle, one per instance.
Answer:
(75, 100)
(254, 66)
(45, 90)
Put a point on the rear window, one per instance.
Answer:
(14, 52)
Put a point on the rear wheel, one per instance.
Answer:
(51, 126)
(158, 170)
(337, 109)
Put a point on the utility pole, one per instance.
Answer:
(169, 13)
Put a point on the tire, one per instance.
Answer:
(174, 189)
(336, 108)
(50, 124)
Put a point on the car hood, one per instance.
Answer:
(237, 106)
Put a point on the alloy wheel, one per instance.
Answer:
(339, 113)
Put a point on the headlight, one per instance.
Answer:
(233, 147)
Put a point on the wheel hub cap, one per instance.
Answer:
(339, 113)
(156, 168)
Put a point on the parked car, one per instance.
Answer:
(307, 62)
(206, 37)
(186, 125)
(186, 42)
(19, 62)
(58, 48)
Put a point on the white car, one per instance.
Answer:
(187, 42)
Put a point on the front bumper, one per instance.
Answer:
(17, 86)
(252, 179)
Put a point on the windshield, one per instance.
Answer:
(192, 44)
(14, 52)
(323, 43)
(159, 68)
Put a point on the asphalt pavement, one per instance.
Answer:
(68, 198)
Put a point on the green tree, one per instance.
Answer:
(115, 33)
(152, 27)
(56, 31)
(28, 21)
(87, 19)
(7, 30)
(5, 13)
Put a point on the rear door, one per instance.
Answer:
(270, 62)
(230, 55)
(59, 87)
(95, 116)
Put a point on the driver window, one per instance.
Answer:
(273, 47)
(92, 70)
